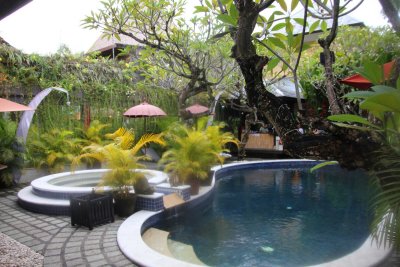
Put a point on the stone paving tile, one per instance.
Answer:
(55, 238)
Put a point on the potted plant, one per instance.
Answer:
(122, 160)
(192, 153)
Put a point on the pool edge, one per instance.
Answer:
(129, 236)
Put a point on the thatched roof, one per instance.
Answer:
(104, 44)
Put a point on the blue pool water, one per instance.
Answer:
(271, 217)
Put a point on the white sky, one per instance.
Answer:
(43, 25)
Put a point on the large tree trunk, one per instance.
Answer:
(351, 148)
(391, 13)
(251, 66)
(329, 78)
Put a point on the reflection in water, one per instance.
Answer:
(267, 217)
(297, 187)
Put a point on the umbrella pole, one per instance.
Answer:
(144, 132)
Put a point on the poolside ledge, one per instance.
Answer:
(130, 240)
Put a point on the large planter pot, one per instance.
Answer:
(125, 206)
(194, 186)
(91, 210)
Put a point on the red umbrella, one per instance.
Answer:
(359, 81)
(144, 110)
(8, 106)
(197, 109)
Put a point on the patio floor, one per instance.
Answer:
(55, 238)
(64, 245)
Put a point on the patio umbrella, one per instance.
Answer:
(8, 106)
(144, 110)
(360, 82)
(197, 109)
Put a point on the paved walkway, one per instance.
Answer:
(55, 238)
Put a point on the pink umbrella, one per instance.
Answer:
(8, 106)
(144, 110)
(197, 109)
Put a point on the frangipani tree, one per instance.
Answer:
(177, 45)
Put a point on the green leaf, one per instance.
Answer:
(323, 164)
(278, 26)
(233, 12)
(358, 94)
(383, 89)
(372, 72)
(289, 26)
(225, 18)
(273, 63)
(294, 4)
(278, 13)
(383, 102)
(314, 26)
(282, 3)
(299, 21)
(277, 42)
(225, 2)
(351, 119)
(199, 9)
(270, 20)
(324, 26)
(209, 4)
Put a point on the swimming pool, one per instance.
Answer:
(263, 216)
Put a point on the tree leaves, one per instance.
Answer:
(282, 3)
(350, 118)
(324, 26)
(227, 19)
(199, 9)
(294, 4)
(314, 26)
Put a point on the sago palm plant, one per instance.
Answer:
(191, 153)
(121, 157)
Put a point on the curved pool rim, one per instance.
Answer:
(51, 194)
(129, 236)
(47, 185)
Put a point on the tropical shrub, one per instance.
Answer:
(191, 153)
(107, 87)
(53, 150)
(352, 47)
(382, 104)
(93, 134)
(10, 152)
(121, 157)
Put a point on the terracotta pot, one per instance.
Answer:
(125, 206)
(194, 186)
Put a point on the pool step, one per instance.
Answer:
(172, 200)
(41, 204)
(184, 252)
(157, 240)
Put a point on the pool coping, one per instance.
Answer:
(129, 236)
